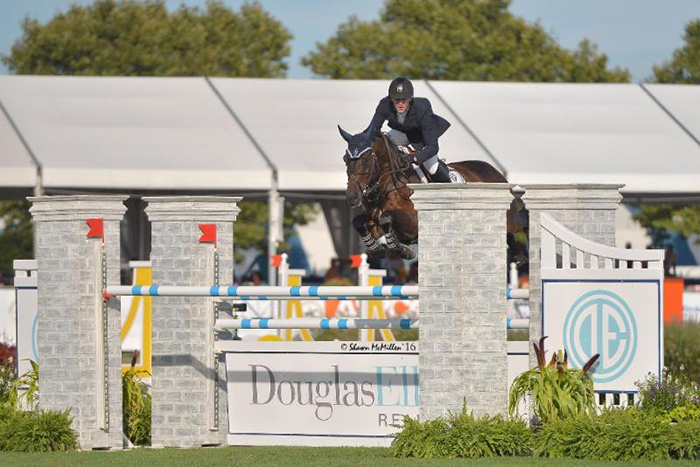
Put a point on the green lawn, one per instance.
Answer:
(268, 456)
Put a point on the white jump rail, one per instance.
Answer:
(313, 292)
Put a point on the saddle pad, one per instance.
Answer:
(456, 177)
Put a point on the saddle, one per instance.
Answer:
(424, 175)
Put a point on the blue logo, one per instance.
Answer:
(601, 322)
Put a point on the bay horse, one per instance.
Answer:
(378, 181)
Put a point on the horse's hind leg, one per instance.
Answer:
(374, 248)
(392, 242)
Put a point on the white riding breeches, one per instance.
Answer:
(400, 138)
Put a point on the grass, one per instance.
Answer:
(267, 456)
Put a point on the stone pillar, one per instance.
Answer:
(462, 280)
(587, 209)
(79, 341)
(186, 399)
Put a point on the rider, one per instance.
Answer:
(413, 122)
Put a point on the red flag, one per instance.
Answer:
(276, 260)
(208, 233)
(96, 228)
(356, 261)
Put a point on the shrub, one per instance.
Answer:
(25, 390)
(7, 379)
(682, 349)
(8, 355)
(624, 435)
(463, 435)
(668, 392)
(36, 431)
(557, 391)
(422, 439)
(685, 440)
(136, 407)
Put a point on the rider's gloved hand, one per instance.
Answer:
(407, 157)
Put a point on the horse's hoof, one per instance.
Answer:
(407, 253)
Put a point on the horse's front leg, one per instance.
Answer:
(387, 220)
(363, 225)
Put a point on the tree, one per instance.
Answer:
(141, 38)
(133, 38)
(474, 40)
(684, 67)
(16, 236)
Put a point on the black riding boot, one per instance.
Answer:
(442, 175)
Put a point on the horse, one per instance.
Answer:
(378, 181)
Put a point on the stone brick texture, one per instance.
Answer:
(70, 314)
(184, 383)
(462, 271)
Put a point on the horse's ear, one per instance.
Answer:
(346, 136)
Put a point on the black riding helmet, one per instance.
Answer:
(401, 88)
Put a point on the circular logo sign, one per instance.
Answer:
(601, 322)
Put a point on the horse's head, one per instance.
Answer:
(362, 168)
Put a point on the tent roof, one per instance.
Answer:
(582, 133)
(229, 133)
(131, 133)
(17, 168)
(295, 123)
(682, 101)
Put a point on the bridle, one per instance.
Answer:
(370, 189)
(396, 174)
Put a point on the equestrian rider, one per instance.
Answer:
(412, 121)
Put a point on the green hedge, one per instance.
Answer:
(36, 431)
(630, 434)
(463, 435)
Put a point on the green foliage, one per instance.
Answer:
(684, 413)
(684, 67)
(474, 40)
(557, 391)
(141, 38)
(670, 391)
(661, 220)
(682, 349)
(620, 435)
(25, 390)
(463, 435)
(685, 442)
(16, 238)
(136, 408)
(7, 379)
(36, 431)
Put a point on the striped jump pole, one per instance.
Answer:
(512, 294)
(252, 292)
(335, 323)
(316, 323)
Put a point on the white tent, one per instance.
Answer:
(128, 133)
(230, 134)
(579, 133)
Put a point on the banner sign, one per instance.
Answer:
(321, 393)
(619, 320)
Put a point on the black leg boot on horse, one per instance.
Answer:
(393, 244)
(374, 248)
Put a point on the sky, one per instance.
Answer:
(635, 34)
